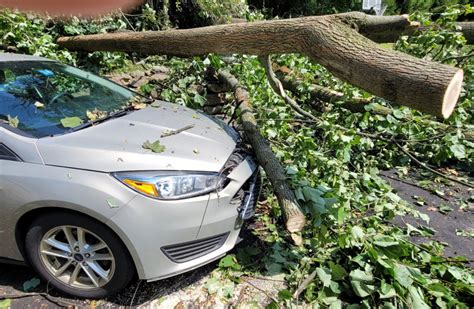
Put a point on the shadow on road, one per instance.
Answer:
(13, 277)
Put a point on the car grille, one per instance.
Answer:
(239, 154)
(247, 197)
(191, 250)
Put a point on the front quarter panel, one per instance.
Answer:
(25, 186)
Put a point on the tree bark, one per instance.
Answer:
(330, 40)
(467, 29)
(356, 105)
(387, 29)
(294, 217)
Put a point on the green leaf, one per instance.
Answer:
(458, 151)
(13, 121)
(357, 232)
(212, 285)
(71, 122)
(312, 194)
(271, 133)
(324, 275)
(387, 291)
(360, 275)
(229, 261)
(341, 215)
(362, 289)
(397, 113)
(228, 289)
(156, 146)
(285, 295)
(5, 304)
(444, 209)
(415, 298)
(199, 99)
(384, 241)
(272, 305)
(402, 275)
(337, 271)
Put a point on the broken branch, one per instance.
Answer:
(174, 132)
(357, 105)
(294, 216)
(278, 88)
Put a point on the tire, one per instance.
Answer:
(100, 268)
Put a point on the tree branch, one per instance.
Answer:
(423, 165)
(357, 105)
(278, 88)
(294, 216)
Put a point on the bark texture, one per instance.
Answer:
(467, 29)
(330, 40)
(387, 29)
(294, 217)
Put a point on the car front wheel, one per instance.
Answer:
(78, 255)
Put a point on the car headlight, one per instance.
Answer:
(171, 185)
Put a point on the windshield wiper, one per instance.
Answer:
(118, 114)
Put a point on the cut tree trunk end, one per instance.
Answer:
(294, 216)
(331, 40)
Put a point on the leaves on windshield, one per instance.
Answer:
(38, 104)
(137, 103)
(156, 146)
(13, 121)
(95, 114)
(71, 122)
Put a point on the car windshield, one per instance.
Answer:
(43, 98)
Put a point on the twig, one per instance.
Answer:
(135, 293)
(304, 285)
(48, 297)
(174, 132)
(458, 58)
(403, 181)
(278, 88)
(128, 22)
(432, 170)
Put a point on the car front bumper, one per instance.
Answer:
(166, 238)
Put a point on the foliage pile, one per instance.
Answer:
(356, 255)
(191, 14)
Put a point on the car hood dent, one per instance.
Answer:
(116, 144)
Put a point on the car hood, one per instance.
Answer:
(117, 144)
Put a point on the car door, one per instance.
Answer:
(18, 154)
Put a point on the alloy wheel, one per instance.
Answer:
(77, 257)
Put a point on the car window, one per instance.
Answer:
(36, 96)
(7, 154)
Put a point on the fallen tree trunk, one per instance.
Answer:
(330, 40)
(356, 105)
(294, 217)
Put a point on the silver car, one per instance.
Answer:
(98, 185)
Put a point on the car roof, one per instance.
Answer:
(4, 57)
